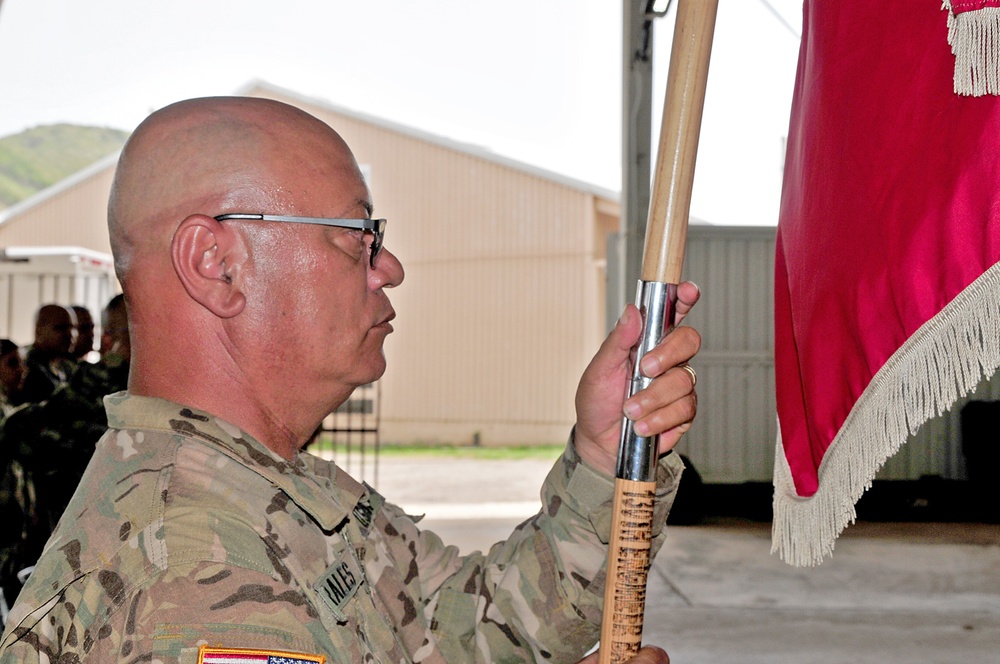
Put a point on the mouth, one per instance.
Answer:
(386, 322)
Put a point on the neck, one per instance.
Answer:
(283, 418)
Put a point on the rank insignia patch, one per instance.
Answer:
(207, 655)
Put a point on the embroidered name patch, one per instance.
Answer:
(339, 583)
(208, 655)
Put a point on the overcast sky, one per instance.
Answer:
(535, 80)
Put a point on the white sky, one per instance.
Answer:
(535, 80)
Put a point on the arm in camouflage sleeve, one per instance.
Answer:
(165, 621)
(539, 594)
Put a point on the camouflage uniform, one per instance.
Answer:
(21, 537)
(43, 376)
(53, 440)
(186, 531)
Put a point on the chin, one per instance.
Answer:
(373, 371)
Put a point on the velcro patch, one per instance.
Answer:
(207, 655)
(340, 583)
(366, 509)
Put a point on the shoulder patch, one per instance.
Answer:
(207, 655)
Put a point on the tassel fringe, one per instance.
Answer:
(943, 361)
(974, 37)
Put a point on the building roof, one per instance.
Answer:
(470, 149)
(56, 189)
(476, 151)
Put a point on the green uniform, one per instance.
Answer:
(44, 449)
(187, 533)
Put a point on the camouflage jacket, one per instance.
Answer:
(53, 440)
(188, 533)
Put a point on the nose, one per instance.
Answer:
(388, 271)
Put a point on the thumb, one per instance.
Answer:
(601, 392)
(618, 345)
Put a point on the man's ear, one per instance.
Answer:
(208, 258)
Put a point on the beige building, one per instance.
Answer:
(502, 303)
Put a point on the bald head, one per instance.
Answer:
(215, 155)
(54, 330)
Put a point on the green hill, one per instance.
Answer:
(41, 156)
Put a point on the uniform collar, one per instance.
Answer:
(304, 479)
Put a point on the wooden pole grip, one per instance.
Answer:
(628, 569)
(673, 177)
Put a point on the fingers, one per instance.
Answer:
(669, 404)
(688, 295)
(677, 348)
(663, 407)
(646, 655)
(650, 655)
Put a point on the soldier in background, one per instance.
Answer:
(48, 358)
(16, 491)
(12, 371)
(115, 346)
(53, 440)
(84, 343)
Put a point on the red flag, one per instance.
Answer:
(887, 298)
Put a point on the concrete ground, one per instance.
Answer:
(926, 592)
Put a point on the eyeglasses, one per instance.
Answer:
(374, 226)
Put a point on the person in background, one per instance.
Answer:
(48, 358)
(256, 286)
(84, 343)
(19, 521)
(115, 346)
(53, 440)
(12, 372)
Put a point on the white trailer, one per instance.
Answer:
(33, 276)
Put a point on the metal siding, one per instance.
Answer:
(733, 438)
(936, 448)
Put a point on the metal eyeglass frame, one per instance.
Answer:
(374, 226)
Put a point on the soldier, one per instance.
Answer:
(256, 285)
(115, 345)
(12, 370)
(52, 440)
(84, 342)
(47, 359)
(16, 491)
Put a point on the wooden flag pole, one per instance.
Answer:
(663, 258)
